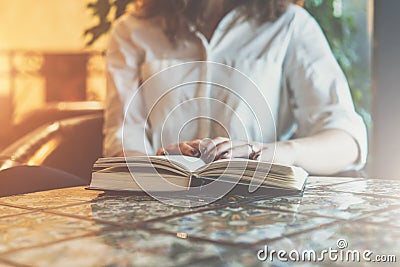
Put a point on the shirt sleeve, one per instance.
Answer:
(321, 97)
(122, 95)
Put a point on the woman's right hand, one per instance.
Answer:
(187, 148)
(196, 148)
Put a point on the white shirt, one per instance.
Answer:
(286, 63)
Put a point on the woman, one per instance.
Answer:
(278, 45)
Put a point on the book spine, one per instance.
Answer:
(196, 181)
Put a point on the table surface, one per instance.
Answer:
(78, 227)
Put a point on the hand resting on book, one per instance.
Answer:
(224, 148)
(324, 153)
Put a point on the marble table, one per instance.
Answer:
(78, 227)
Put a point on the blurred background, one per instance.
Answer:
(52, 64)
(43, 57)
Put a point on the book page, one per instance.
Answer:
(180, 162)
(241, 164)
(190, 163)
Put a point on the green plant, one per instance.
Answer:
(106, 12)
(341, 31)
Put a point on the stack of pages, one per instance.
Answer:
(175, 173)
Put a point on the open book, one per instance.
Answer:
(175, 173)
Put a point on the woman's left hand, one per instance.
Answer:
(279, 152)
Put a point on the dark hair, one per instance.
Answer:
(178, 14)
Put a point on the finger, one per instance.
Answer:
(204, 144)
(208, 144)
(188, 150)
(181, 149)
(196, 145)
(173, 149)
(234, 144)
(241, 151)
(161, 152)
(223, 147)
(218, 150)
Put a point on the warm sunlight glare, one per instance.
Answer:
(45, 150)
